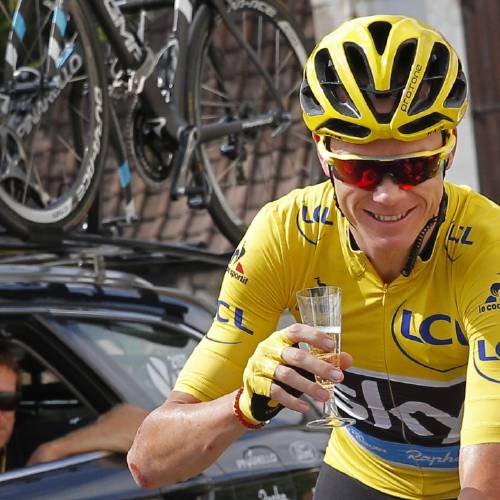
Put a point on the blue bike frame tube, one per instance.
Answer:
(57, 57)
(16, 37)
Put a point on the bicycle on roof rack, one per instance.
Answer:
(213, 115)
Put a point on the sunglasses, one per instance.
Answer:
(9, 400)
(407, 170)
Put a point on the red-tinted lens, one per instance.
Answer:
(367, 174)
(8, 401)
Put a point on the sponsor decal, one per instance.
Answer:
(40, 106)
(303, 451)
(460, 235)
(414, 456)
(257, 457)
(457, 237)
(275, 495)
(491, 303)
(229, 314)
(487, 360)
(307, 221)
(411, 88)
(235, 268)
(422, 339)
(319, 282)
(252, 4)
(119, 22)
(234, 316)
(404, 418)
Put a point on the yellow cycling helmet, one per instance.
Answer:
(382, 77)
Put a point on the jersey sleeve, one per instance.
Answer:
(480, 298)
(252, 297)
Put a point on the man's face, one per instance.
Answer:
(7, 418)
(389, 218)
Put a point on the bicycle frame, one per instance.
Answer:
(166, 107)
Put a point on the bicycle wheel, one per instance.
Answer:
(55, 117)
(246, 170)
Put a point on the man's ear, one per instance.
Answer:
(452, 154)
(324, 165)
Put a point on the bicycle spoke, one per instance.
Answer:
(217, 104)
(5, 12)
(69, 148)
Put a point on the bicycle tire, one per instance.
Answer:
(56, 133)
(269, 168)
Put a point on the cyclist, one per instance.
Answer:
(417, 259)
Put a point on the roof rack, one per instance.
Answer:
(96, 250)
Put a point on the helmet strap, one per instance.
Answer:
(334, 192)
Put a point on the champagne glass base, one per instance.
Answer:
(329, 422)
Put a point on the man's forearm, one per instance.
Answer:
(179, 440)
(113, 431)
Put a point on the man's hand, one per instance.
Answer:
(277, 363)
(46, 452)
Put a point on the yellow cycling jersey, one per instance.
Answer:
(426, 348)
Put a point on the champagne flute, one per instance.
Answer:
(321, 307)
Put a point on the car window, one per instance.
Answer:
(140, 361)
(47, 409)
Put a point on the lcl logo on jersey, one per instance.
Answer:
(491, 301)
(308, 220)
(487, 359)
(424, 339)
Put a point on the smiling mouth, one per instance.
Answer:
(389, 218)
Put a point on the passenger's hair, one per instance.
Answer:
(8, 357)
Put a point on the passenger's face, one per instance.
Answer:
(7, 418)
(389, 218)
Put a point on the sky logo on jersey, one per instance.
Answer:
(487, 359)
(491, 303)
(308, 221)
(423, 339)
(235, 268)
(403, 419)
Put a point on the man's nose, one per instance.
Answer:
(388, 191)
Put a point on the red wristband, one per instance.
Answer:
(239, 415)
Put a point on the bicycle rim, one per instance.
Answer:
(53, 133)
(248, 170)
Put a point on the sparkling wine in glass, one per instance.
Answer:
(321, 307)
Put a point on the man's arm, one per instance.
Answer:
(480, 472)
(113, 431)
(184, 436)
(181, 438)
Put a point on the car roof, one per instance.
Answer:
(87, 271)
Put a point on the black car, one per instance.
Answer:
(89, 338)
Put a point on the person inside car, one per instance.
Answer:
(417, 260)
(113, 431)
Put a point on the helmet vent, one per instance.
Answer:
(432, 82)
(332, 85)
(308, 100)
(359, 66)
(403, 61)
(379, 31)
(458, 92)
(423, 123)
(346, 128)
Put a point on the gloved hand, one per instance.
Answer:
(255, 402)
